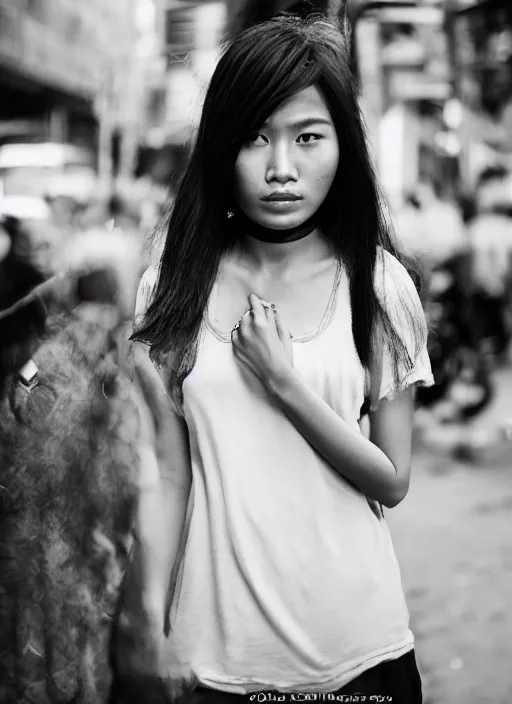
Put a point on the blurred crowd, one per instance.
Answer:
(463, 251)
(41, 236)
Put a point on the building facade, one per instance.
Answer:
(189, 34)
(61, 64)
(481, 36)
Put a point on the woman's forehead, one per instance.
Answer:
(305, 108)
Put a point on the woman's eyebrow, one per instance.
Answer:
(306, 122)
(310, 121)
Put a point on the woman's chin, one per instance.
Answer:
(284, 221)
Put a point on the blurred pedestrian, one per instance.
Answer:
(17, 275)
(30, 252)
(490, 236)
(5, 243)
(114, 241)
(280, 311)
(429, 227)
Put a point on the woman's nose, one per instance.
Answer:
(282, 167)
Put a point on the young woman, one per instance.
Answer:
(280, 311)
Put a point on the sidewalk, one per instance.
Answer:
(453, 540)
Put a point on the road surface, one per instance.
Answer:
(453, 538)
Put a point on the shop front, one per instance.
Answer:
(47, 85)
(481, 37)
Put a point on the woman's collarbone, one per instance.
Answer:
(301, 307)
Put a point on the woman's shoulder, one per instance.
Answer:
(146, 289)
(402, 305)
(398, 295)
(150, 276)
(392, 280)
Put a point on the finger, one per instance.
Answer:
(279, 325)
(235, 337)
(258, 310)
(238, 345)
(244, 324)
(278, 322)
(237, 341)
(242, 318)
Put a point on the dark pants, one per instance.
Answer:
(394, 681)
(489, 321)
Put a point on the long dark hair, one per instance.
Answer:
(262, 67)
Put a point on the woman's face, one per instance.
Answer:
(284, 173)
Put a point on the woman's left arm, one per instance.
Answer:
(380, 466)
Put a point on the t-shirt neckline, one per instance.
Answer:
(305, 337)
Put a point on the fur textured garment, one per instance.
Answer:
(69, 484)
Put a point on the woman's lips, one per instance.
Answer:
(282, 198)
(282, 204)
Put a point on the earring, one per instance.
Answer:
(230, 214)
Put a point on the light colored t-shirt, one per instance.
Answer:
(288, 579)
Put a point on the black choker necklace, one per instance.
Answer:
(266, 234)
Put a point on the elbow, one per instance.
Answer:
(396, 489)
(393, 500)
(395, 495)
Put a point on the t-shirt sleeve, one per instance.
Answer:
(145, 292)
(398, 296)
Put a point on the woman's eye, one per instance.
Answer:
(257, 140)
(309, 138)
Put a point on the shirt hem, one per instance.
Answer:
(331, 684)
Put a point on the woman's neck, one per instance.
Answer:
(272, 236)
(283, 256)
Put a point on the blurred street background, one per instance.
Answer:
(99, 103)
